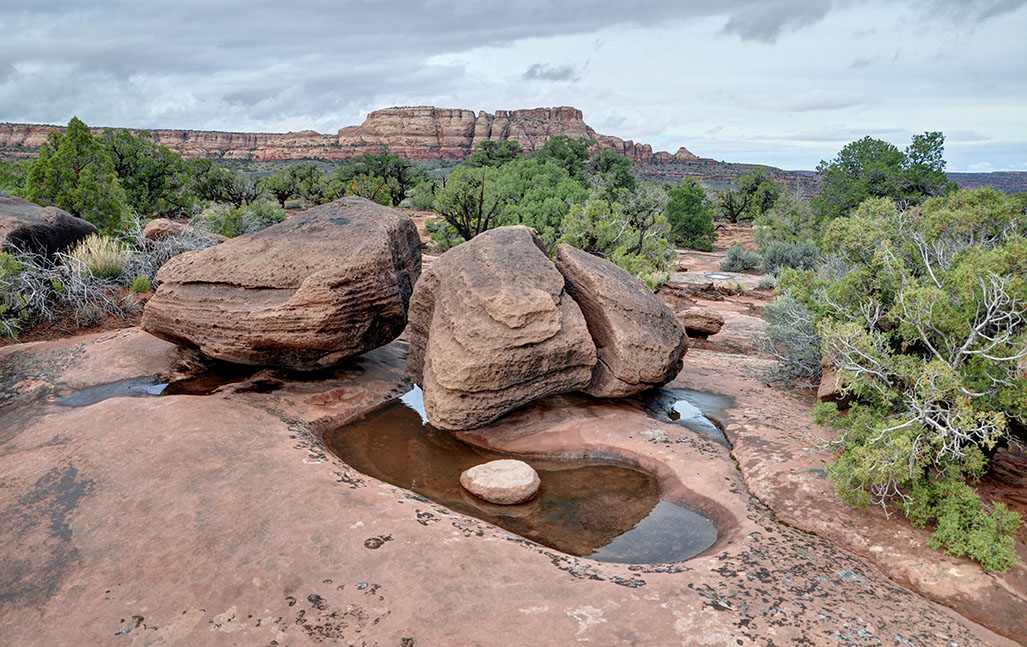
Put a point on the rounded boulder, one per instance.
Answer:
(504, 482)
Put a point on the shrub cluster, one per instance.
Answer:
(594, 204)
(739, 259)
(228, 221)
(923, 312)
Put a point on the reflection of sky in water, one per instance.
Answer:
(666, 534)
(687, 410)
(415, 401)
(132, 387)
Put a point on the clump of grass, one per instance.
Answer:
(140, 284)
(105, 257)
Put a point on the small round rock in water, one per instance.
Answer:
(505, 482)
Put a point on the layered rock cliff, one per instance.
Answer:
(422, 133)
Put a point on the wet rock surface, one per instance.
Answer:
(26, 226)
(639, 344)
(329, 283)
(245, 531)
(492, 329)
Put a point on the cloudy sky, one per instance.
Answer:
(779, 82)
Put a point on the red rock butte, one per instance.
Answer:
(420, 133)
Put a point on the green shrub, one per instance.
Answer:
(140, 284)
(690, 216)
(790, 220)
(965, 526)
(739, 259)
(423, 196)
(12, 301)
(799, 256)
(631, 232)
(260, 215)
(105, 257)
(923, 314)
(75, 173)
(792, 339)
(221, 219)
(767, 282)
(443, 235)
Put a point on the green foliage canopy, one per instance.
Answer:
(75, 173)
(753, 195)
(872, 168)
(155, 179)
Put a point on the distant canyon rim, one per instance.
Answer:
(417, 133)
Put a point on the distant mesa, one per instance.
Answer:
(419, 133)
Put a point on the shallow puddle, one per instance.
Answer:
(132, 387)
(201, 383)
(694, 410)
(609, 512)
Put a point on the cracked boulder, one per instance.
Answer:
(328, 283)
(638, 339)
(492, 329)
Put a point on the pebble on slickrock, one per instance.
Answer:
(505, 482)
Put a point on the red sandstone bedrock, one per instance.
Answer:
(420, 133)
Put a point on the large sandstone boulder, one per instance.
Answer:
(326, 284)
(43, 230)
(638, 340)
(492, 329)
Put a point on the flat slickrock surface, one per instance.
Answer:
(220, 520)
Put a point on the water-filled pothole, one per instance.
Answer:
(597, 509)
(694, 410)
(717, 276)
(132, 387)
(200, 383)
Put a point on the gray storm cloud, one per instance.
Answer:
(272, 66)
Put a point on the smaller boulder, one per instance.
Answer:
(504, 482)
(160, 229)
(26, 226)
(830, 390)
(700, 322)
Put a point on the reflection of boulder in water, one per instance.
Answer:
(584, 508)
(484, 508)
